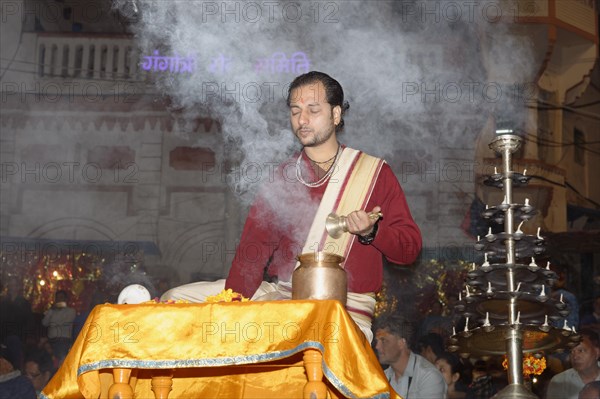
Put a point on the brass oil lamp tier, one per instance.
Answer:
(506, 306)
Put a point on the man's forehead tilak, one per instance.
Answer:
(313, 88)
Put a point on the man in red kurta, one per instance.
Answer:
(267, 240)
(289, 208)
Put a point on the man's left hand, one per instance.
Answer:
(360, 223)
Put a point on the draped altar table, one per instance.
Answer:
(277, 349)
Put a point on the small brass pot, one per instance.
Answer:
(320, 276)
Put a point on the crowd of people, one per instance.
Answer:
(33, 346)
(572, 375)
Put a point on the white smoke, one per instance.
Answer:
(416, 73)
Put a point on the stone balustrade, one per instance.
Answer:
(91, 56)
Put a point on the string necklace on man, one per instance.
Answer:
(323, 162)
(327, 174)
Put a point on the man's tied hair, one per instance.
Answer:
(333, 91)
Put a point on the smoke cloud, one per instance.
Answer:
(417, 74)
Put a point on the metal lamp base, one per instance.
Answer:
(514, 391)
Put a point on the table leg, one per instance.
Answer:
(121, 389)
(315, 387)
(162, 383)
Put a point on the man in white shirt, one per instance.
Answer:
(411, 375)
(584, 360)
(59, 320)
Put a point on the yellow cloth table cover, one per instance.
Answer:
(225, 350)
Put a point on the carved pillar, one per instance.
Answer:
(120, 388)
(314, 388)
(162, 383)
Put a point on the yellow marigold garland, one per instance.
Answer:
(531, 365)
(227, 296)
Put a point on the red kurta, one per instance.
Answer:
(280, 218)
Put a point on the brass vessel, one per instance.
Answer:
(336, 224)
(320, 276)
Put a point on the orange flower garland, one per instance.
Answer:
(531, 365)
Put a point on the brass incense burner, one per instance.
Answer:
(320, 276)
(336, 225)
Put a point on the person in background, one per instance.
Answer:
(411, 375)
(592, 319)
(431, 346)
(559, 361)
(39, 370)
(451, 368)
(482, 386)
(560, 290)
(15, 317)
(98, 298)
(436, 322)
(59, 320)
(13, 385)
(584, 360)
(591, 390)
